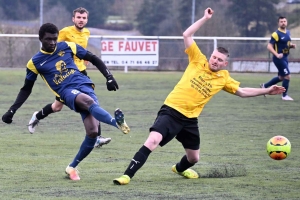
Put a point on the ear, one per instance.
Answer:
(73, 19)
(225, 63)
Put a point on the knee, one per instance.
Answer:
(152, 142)
(89, 102)
(193, 159)
(92, 133)
(287, 77)
(86, 103)
(57, 107)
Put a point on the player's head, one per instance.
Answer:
(80, 17)
(48, 34)
(218, 59)
(282, 22)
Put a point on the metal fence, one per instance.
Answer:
(17, 49)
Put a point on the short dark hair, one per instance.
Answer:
(223, 51)
(80, 10)
(47, 28)
(281, 17)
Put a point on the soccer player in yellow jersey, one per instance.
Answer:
(177, 118)
(80, 35)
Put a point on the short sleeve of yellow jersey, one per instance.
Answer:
(195, 54)
(231, 85)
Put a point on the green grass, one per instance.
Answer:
(234, 132)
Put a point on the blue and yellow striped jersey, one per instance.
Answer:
(58, 69)
(281, 41)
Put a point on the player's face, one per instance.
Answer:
(80, 20)
(282, 23)
(49, 42)
(217, 61)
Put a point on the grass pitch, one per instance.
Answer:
(234, 132)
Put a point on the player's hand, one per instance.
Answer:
(279, 56)
(293, 46)
(275, 89)
(208, 13)
(111, 83)
(7, 117)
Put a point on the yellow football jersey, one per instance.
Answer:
(198, 85)
(71, 34)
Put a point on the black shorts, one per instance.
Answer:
(61, 101)
(170, 123)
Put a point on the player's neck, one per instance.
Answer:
(78, 29)
(282, 30)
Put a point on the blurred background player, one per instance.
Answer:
(279, 46)
(80, 35)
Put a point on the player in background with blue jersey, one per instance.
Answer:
(280, 45)
(55, 64)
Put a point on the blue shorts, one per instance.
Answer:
(282, 66)
(69, 95)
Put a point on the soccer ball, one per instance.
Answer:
(279, 147)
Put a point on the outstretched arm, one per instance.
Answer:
(189, 32)
(253, 92)
(111, 83)
(24, 93)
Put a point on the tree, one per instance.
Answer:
(17, 9)
(152, 13)
(29, 10)
(253, 18)
(98, 9)
(185, 13)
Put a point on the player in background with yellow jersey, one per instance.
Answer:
(178, 117)
(79, 35)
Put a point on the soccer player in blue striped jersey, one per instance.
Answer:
(280, 45)
(55, 64)
(79, 34)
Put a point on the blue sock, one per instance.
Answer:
(102, 115)
(85, 149)
(285, 84)
(273, 81)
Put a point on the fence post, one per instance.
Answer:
(125, 67)
(215, 43)
(269, 61)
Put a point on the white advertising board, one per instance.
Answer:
(130, 52)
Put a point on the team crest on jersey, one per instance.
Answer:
(61, 66)
(61, 53)
(64, 72)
